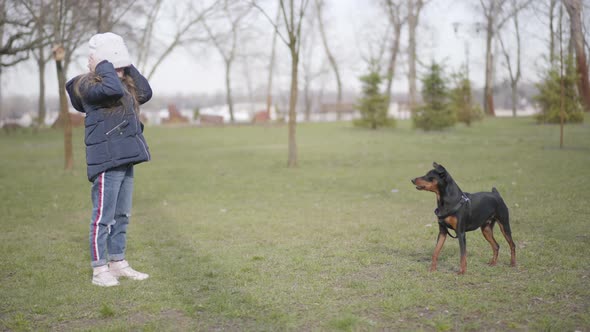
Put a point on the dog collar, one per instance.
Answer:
(464, 199)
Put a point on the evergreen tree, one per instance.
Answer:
(461, 101)
(549, 97)
(373, 104)
(436, 112)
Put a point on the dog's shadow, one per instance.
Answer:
(417, 257)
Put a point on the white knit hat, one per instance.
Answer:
(111, 47)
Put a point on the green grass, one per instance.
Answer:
(234, 240)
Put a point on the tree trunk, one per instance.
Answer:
(412, 23)
(41, 104)
(64, 116)
(574, 8)
(331, 58)
(1, 94)
(514, 86)
(518, 65)
(489, 88)
(561, 79)
(2, 24)
(271, 66)
(228, 95)
(307, 98)
(292, 161)
(249, 88)
(293, 42)
(41, 64)
(552, 4)
(99, 23)
(59, 54)
(392, 61)
(514, 76)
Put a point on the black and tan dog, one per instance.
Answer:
(464, 212)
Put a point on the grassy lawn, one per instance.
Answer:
(234, 240)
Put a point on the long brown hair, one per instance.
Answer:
(129, 85)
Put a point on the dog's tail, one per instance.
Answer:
(497, 193)
(502, 213)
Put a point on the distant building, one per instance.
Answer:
(335, 112)
(175, 117)
(243, 112)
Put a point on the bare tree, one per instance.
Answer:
(59, 55)
(397, 19)
(552, 5)
(185, 19)
(40, 12)
(561, 80)
(585, 25)
(226, 43)
(79, 14)
(2, 28)
(495, 15)
(311, 71)
(42, 58)
(18, 37)
(72, 26)
(574, 9)
(292, 20)
(376, 49)
(513, 70)
(320, 4)
(491, 11)
(271, 65)
(246, 70)
(147, 34)
(112, 14)
(414, 9)
(20, 29)
(308, 96)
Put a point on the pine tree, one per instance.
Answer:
(435, 113)
(461, 101)
(373, 104)
(549, 97)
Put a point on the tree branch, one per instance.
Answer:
(274, 24)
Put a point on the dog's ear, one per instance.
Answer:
(439, 169)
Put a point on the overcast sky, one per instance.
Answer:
(350, 24)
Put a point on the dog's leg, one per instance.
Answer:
(488, 233)
(507, 234)
(440, 241)
(463, 248)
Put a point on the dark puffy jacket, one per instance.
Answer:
(113, 130)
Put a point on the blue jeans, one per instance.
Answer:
(112, 193)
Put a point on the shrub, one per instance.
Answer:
(549, 97)
(373, 104)
(436, 112)
(462, 102)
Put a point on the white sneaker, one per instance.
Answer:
(122, 269)
(102, 277)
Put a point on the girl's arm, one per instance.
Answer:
(142, 87)
(75, 98)
(103, 92)
(108, 89)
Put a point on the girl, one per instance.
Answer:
(110, 95)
